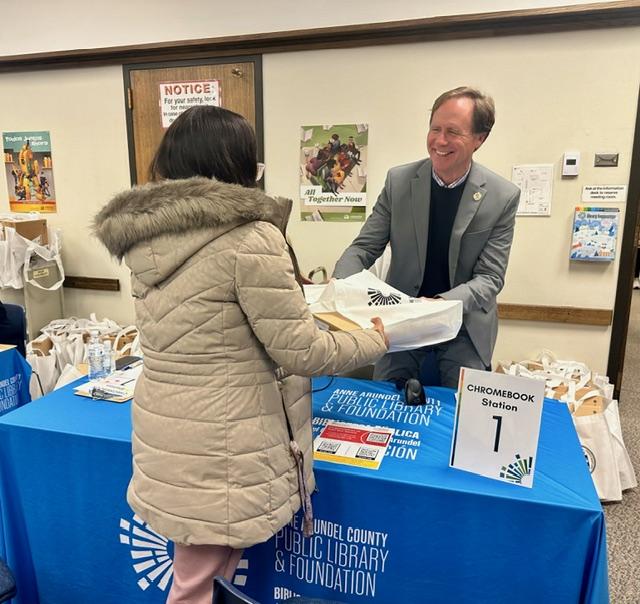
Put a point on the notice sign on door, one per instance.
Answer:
(176, 97)
(497, 426)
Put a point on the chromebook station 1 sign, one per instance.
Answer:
(497, 426)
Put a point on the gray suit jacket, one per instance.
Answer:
(478, 250)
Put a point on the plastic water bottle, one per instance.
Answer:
(109, 358)
(95, 357)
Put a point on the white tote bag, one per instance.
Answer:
(597, 444)
(625, 467)
(37, 254)
(408, 322)
(12, 254)
(45, 372)
(70, 373)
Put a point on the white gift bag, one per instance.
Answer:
(12, 254)
(408, 322)
(69, 374)
(597, 444)
(127, 342)
(623, 461)
(45, 372)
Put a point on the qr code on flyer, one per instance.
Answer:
(376, 437)
(328, 447)
(367, 453)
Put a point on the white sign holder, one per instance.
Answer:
(497, 426)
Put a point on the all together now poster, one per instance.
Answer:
(333, 172)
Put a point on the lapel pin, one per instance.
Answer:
(477, 196)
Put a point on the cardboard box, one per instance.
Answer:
(34, 228)
(336, 322)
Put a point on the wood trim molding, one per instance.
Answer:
(556, 314)
(502, 23)
(112, 285)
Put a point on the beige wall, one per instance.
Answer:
(70, 24)
(556, 92)
(84, 111)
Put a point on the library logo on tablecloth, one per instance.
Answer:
(149, 551)
(152, 555)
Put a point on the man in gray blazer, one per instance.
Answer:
(449, 222)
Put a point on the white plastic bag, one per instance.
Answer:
(409, 322)
(12, 253)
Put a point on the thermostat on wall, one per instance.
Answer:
(570, 163)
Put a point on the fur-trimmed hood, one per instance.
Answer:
(169, 221)
(177, 206)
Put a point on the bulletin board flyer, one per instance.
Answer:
(333, 172)
(29, 171)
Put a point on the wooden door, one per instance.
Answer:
(240, 91)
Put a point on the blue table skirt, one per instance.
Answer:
(413, 531)
(15, 374)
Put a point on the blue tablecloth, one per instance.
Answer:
(413, 531)
(15, 374)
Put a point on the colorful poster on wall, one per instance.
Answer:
(595, 231)
(176, 97)
(333, 172)
(29, 171)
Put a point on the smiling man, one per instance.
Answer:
(449, 222)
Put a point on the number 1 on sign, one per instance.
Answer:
(496, 442)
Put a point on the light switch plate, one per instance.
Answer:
(606, 160)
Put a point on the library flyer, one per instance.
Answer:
(595, 232)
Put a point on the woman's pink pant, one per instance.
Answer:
(194, 567)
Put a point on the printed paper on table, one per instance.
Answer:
(117, 387)
(352, 444)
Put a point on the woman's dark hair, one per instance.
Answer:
(207, 141)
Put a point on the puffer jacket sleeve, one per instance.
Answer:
(279, 317)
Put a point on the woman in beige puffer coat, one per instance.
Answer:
(221, 317)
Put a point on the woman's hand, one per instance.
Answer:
(379, 327)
